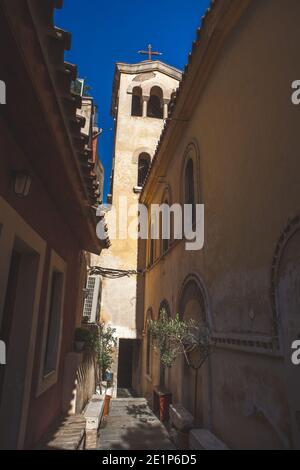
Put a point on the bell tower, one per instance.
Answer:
(141, 96)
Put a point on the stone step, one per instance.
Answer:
(202, 439)
(180, 418)
(94, 412)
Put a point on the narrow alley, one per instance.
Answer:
(149, 228)
(131, 425)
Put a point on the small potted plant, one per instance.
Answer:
(82, 338)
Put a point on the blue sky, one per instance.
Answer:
(106, 32)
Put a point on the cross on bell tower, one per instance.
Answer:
(150, 52)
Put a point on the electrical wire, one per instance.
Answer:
(110, 273)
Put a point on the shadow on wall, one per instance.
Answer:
(68, 430)
(79, 382)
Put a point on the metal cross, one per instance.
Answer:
(150, 52)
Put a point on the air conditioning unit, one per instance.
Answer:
(91, 308)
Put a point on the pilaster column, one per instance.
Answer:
(166, 108)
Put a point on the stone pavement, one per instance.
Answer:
(131, 425)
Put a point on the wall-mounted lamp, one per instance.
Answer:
(22, 183)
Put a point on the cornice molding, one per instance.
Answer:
(139, 68)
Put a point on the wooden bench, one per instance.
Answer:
(181, 419)
(68, 433)
(182, 422)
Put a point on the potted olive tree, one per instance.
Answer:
(173, 337)
(105, 354)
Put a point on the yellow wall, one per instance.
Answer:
(247, 133)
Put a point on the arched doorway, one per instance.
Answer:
(288, 305)
(192, 306)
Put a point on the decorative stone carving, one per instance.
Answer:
(144, 76)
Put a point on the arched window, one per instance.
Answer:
(192, 302)
(152, 254)
(192, 306)
(190, 188)
(137, 103)
(164, 222)
(151, 245)
(143, 168)
(155, 104)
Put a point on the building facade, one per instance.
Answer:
(233, 144)
(47, 224)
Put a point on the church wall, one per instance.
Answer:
(246, 130)
(134, 135)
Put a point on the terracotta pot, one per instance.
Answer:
(164, 401)
(106, 405)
